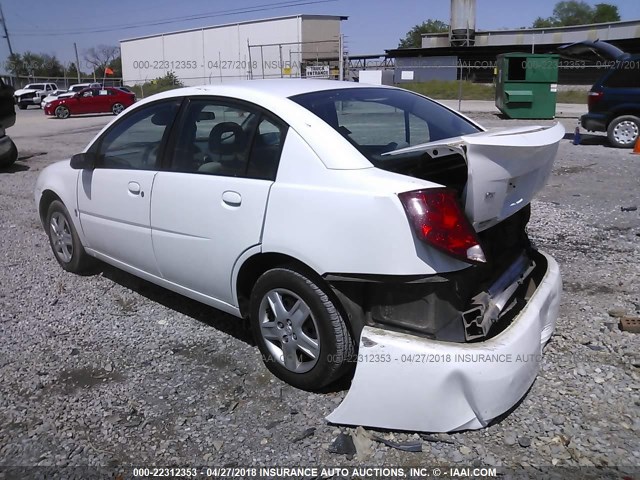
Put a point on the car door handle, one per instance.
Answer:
(231, 198)
(134, 187)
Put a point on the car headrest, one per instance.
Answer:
(226, 138)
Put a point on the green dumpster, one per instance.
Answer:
(526, 85)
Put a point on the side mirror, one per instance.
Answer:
(84, 161)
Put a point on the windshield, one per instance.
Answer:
(35, 86)
(381, 120)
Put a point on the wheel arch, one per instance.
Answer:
(48, 197)
(256, 265)
(622, 111)
(259, 263)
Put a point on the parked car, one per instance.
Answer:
(338, 218)
(614, 100)
(32, 94)
(8, 150)
(73, 89)
(90, 100)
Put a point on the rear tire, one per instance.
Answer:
(117, 108)
(623, 131)
(302, 337)
(64, 240)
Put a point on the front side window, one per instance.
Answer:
(136, 140)
(223, 138)
(380, 120)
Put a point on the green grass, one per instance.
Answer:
(572, 96)
(449, 90)
(149, 89)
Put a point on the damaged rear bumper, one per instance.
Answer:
(405, 382)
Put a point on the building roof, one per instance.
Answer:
(246, 22)
(611, 31)
(630, 45)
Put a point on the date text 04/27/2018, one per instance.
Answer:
(212, 64)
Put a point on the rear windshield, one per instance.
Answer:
(626, 74)
(381, 120)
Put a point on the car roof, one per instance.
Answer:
(281, 87)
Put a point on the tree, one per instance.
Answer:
(116, 66)
(413, 38)
(31, 64)
(72, 71)
(604, 12)
(574, 12)
(100, 57)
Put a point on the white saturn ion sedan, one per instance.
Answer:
(351, 224)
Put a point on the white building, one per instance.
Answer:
(273, 47)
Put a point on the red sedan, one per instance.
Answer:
(91, 100)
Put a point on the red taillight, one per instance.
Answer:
(593, 98)
(438, 219)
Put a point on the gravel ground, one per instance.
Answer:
(110, 370)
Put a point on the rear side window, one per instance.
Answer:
(381, 120)
(625, 75)
(221, 138)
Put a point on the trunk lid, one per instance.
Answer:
(591, 50)
(505, 168)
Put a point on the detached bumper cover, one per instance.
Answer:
(404, 382)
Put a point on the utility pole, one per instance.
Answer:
(6, 33)
(77, 61)
(341, 57)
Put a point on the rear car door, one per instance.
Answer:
(209, 207)
(114, 198)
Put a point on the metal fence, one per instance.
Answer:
(63, 83)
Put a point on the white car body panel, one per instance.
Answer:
(207, 226)
(435, 386)
(506, 170)
(330, 206)
(115, 221)
(22, 91)
(61, 179)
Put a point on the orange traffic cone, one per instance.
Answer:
(636, 147)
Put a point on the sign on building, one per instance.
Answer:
(317, 71)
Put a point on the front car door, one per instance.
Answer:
(114, 198)
(210, 207)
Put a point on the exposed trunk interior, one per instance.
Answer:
(464, 306)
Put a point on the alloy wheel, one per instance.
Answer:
(290, 330)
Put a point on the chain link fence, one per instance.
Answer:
(63, 83)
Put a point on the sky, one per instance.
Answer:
(52, 27)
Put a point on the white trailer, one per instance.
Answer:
(269, 48)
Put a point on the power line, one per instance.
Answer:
(220, 13)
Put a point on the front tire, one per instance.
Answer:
(623, 131)
(62, 112)
(64, 240)
(117, 108)
(302, 337)
(22, 106)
